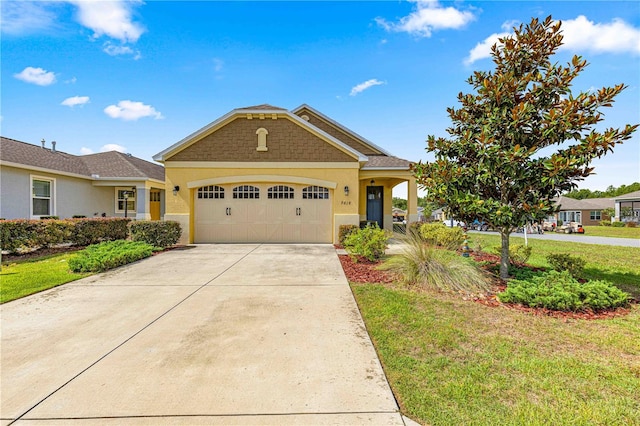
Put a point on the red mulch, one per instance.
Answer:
(365, 271)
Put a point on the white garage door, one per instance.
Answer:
(275, 213)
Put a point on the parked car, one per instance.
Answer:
(570, 228)
(478, 225)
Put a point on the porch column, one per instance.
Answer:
(142, 204)
(412, 201)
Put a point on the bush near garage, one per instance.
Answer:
(369, 242)
(561, 292)
(443, 236)
(156, 233)
(344, 231)
(93, 231)
(109, 255)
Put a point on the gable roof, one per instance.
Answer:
(376, 158)
(249, 112)
(635, 195)
(104, 165)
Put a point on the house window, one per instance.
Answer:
(211, 192)
(246, 192)
(129, 200)
(154, 196)
(315, 193)
(280, 192)
(595, 215)
(42, 197)
(568, 216)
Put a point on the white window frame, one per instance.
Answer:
(52, 195)
(595, 215)
(132, 197)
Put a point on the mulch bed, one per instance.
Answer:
(35, 254)
(365, 271)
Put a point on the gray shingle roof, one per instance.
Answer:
(567, 203)
(385, 161)
(105, 164)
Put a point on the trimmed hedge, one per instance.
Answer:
(156, 233)
(24, 234)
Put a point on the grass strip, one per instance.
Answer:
(24, 278)
(451, 361)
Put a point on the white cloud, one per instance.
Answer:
(428, 16)
(72, 80)
(75, 100)
(37, 76)
(364, 86)
(110, 18)
(483, 49)
(131, 111)
(85, 151)
(113, 147)
(22, 17)
(580, 34)
(114, 50)
(614, 37)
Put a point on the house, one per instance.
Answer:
(266, 174)
(588, 212)
(627, 207)
(37, 181)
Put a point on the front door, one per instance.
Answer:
(374, 205)
(154, 204)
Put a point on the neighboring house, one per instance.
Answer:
(265, 174)
(627, 207)
(588, 211)
(37, 181)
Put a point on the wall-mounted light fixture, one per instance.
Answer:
(176, 189)
(346, 190)
(372, 182)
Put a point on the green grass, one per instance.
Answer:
(31, 276)
(609, 231)
(451, 361)
(611, 263)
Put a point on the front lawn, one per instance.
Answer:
(451, 361)
(611, 263)
(31, 276)
(610, 231)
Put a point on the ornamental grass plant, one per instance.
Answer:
(422, 264)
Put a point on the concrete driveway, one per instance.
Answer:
(209, 334)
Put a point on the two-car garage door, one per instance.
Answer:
(277, 213)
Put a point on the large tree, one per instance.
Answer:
(495, 166)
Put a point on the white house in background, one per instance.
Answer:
(37, 181)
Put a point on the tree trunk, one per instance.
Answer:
(504, 254)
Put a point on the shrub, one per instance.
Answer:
(108, 255)
(49, 217)
(93, 231)
(423, 264)
(19, 234)
(156, 233)
(632, 225)
(561, 292)
(618, 224)
(439, 235)
(54, 232)
(369, 242)
(344, 231)
(605, 223)
(566, 262)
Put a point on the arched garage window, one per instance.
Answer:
(280, 192)
(246, 191)
(315, 193)
(212, 192)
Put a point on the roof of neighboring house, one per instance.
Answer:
(635, 195)
(107, 165)
(567, 203)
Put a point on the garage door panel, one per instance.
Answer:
(286, 217)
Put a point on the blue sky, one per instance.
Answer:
(139, 76)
